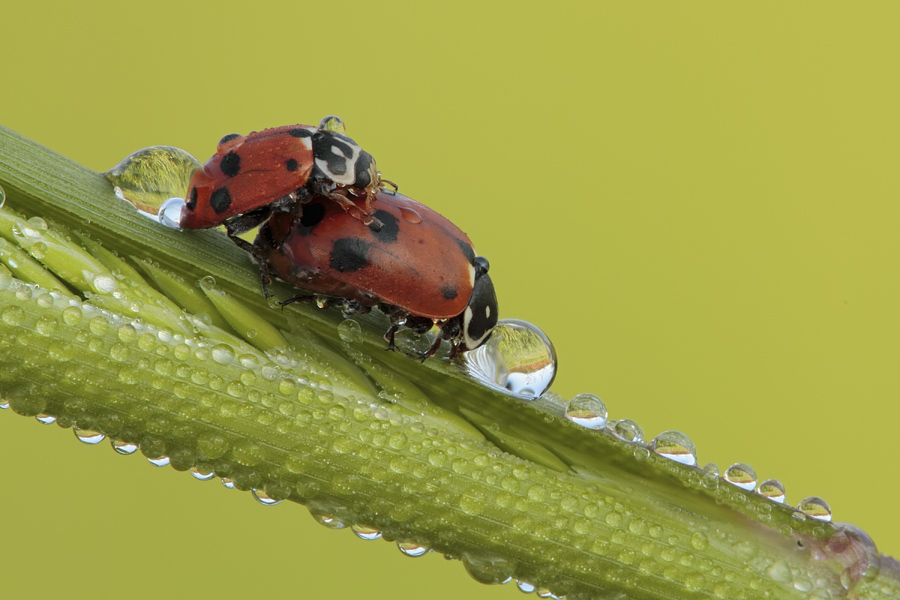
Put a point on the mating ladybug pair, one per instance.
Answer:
(328, 226)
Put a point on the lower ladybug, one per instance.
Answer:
(275, 170)
(419, 268)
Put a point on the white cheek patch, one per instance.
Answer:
(307, 142)
(472, 343)
(348, 177)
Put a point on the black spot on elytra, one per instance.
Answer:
(220, 200)
(467, 251)
(349, 254)
(291, 164)
(192, 199)
(231, 164)
(310, 217)
(449, 292)
(389, 227)
(299, 133)
(228, 138)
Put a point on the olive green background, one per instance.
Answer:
(697, 201)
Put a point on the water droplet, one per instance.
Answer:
(123, 447)
(104, 284)
(169, 214)
(856, 551)
(333, 123)
(202, 475)
(816, 508)
(148, 177)
(12, 315)
(364, 532)
(411, 549)
(524, 586)
(699, 540)
(519, 358)
(489, 571)
(742, 475)
(587, 410)
(264, 498)
(410, 215)
(349, 331)
(676, 446)
(88, 436)
(2, 196)
(162, 461)
(46, 419)
(327, 520)
(223, 354)
(228, 482)
(772, 489)
(628, 430)
(711, 468)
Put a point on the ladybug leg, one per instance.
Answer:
(306, 298)
(355, 211)
(235, 226)
(389, 336)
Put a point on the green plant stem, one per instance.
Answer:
(363, 437)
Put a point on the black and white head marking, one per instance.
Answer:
(341, 160)
(480, 316)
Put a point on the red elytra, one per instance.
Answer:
(247, 173)
(418, 261)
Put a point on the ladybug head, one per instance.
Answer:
(480, 316)
(341, 160)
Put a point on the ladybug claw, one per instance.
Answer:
(374, 224)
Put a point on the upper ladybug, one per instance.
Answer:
(419, 268)
(275, 170)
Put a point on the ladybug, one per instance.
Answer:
(275, 170)
(419, 268)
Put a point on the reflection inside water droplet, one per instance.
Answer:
(411, 549)
(162, 461)
(333, 123)
(89, 436)
(676, 446)
(365, 533)
(816, 508)
(2, 196)
(263, 498)
(772, 489)
(742, 475)
(628, 430)
(169, 213)
(46, 419)
(524, 586)
(519, 359)
(123, 447)
(587, 410)
(201, 475)
(149, 176)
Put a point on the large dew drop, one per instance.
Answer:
(676, 446)
(519, 359)
(149, 176)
